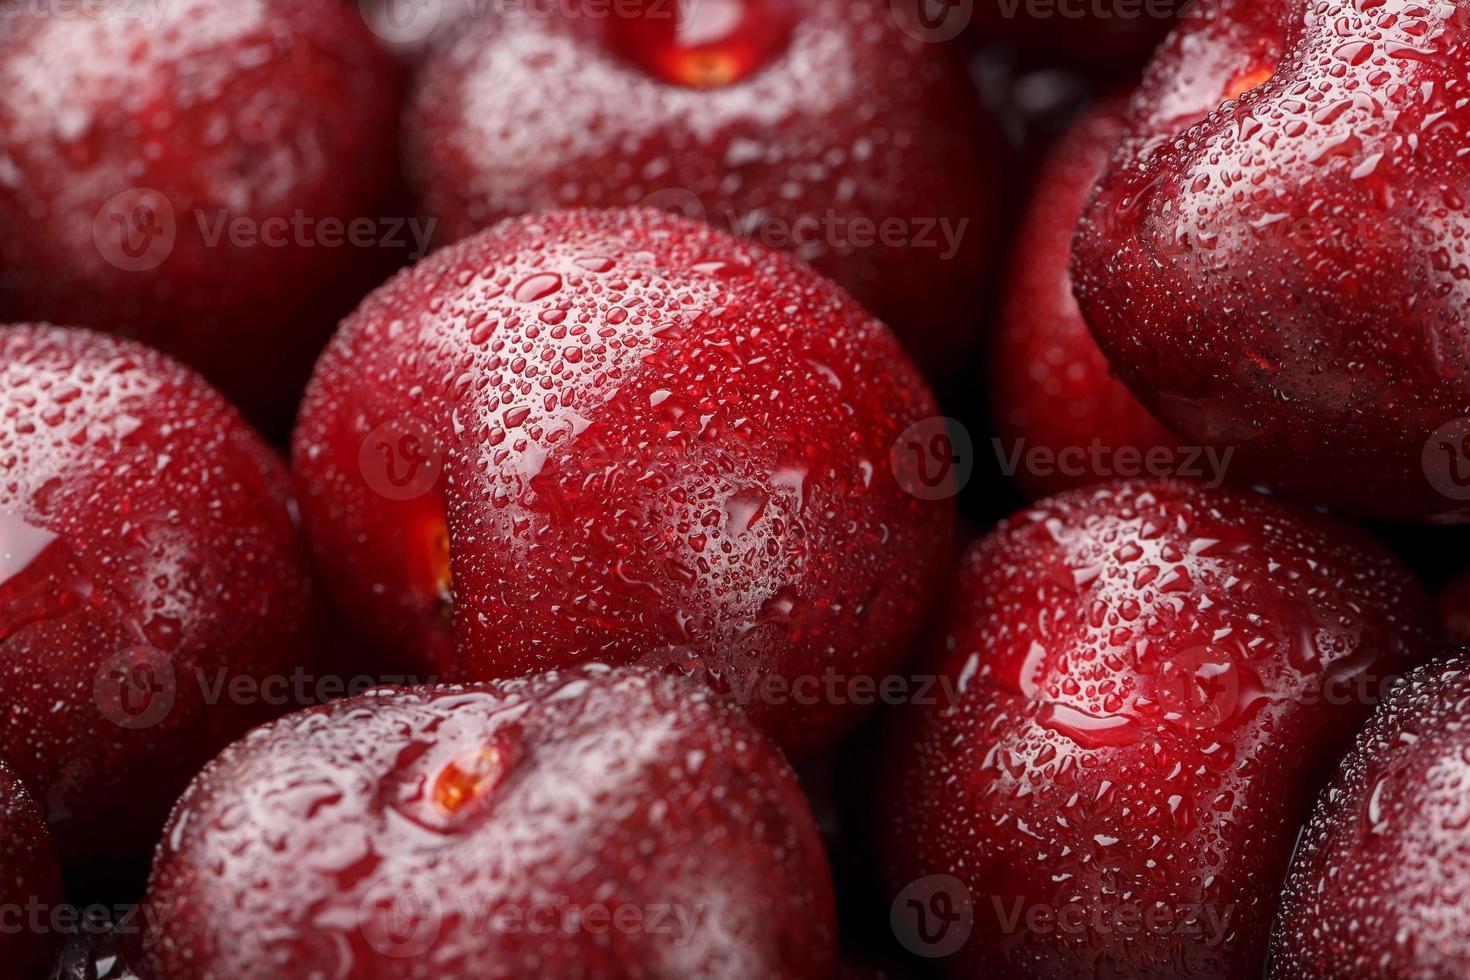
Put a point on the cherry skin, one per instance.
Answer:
(1051, 388)
(530, 827)
(816, 126)
(174, 179)
(1104, 37)
(30, 882)
(1275, 259)
(1454, 609)
(615, 435)
(1147, 678)
(1380, 885)
(149, 561)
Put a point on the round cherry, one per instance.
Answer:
(1380, 884)
(148, 562)
(190, 172)
(1144, 682)
(1275, 259)
(1052, 390)
(816, 126)
(615, 435)
(598, 822)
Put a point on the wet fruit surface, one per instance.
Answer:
(185, 173)
(1050, 386)
(1380, 884)
(604, 824)
(1277, 259)
(147, 558)
(30, 881)
(1148, 678)
(759, 116)
(615, 436)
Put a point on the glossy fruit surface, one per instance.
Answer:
(30, 883)
(1380, 884)
(148, 559)
(815, 126)
(593, 823)
(621, 435)
(187, 172)
(1147, 680)
(1052, 390)
(1276, 259)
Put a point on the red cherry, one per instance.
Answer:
(1051, 387)
(1380, 884)
(816, 126)
(1275, 258)
(631, 825)
(171, 171)
(1147, 678)
(30, 883)
(618, 435)
(147, 558)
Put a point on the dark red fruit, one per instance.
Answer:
(589, 824)
(1052, 391)
(1380, 885)
(1454, 609)
(148, 558)
(1105, 36)
(1276, 258)
(30, 884)
(171, 171)
(615, 435)
(853, 968)
(1149, 677)
(816, 126)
